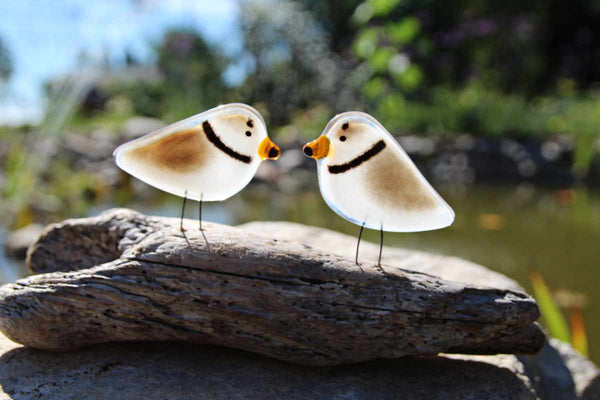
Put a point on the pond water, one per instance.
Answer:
(512, 230)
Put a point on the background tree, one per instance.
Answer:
(185, 78)
(6, 66)
(524, 48)
(291, 64)
(192, 72)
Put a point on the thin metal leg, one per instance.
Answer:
(380, 246)
(200, 214)
(183, 212)
(358, 244)
(200, 222)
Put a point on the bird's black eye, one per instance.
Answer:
(345, 126)
(342, 138)
(250, 123)
(248, 133)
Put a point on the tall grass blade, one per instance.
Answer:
(554, 319)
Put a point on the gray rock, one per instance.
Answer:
(84, 151)
(559, 372)
(17, 242)
(184, 371)
(135, 127)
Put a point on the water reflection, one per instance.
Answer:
(10, 269)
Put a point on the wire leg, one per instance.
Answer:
(380, 246)
(183, 212)
(200, 214)
(358, 244)
(200, 222)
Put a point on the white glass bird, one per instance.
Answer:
(208, 157)
(368, 179)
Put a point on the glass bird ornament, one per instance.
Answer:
(207, 157)
(367, 178)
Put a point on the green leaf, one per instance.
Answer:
(410, 79)
(383, 7)
(363, 13)
(403, 32)
(380, 58)
(366, 42)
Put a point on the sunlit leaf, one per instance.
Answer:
(363, 13)
(579, 338)
(383, 7)
(380, 58)
(405, 31)
(366, 42)
(555, 321)
(410, 79)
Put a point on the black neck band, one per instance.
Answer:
(214, 139)
(372, 152)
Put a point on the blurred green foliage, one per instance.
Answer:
(291, 65)
(518, 47)
(427, 67)
(487, 68)
(420, 66)
(190, 79)
(58, 188)
(18, 179)
(193, 74)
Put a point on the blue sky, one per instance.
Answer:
(46, 38)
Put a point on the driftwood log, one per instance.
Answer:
(123, 276)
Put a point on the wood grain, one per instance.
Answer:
(124, 276)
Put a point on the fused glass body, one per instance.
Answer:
(367, 178)
(209, 156)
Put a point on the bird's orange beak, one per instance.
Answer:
(317, 149)
(267, 150)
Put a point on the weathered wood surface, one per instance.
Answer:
(325, 240)
(134, 277)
